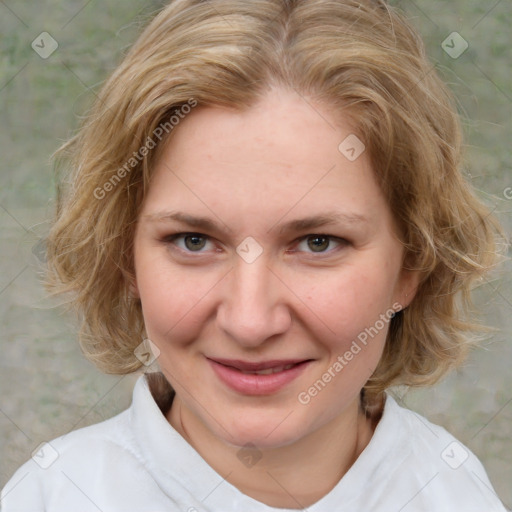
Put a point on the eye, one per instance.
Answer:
(320, 243)
(196, 242)
(188, 242)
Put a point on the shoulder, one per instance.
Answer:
(87, 444)
(434, 469)
(54, 463)
(85, 468)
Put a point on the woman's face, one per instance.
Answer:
(268, 268)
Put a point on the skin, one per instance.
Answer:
(305, 298)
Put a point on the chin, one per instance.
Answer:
(265, 432)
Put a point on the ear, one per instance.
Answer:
(131, 285)
(407, 286)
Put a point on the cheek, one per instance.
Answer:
(352, 311)
(347, 302)
(171, 300)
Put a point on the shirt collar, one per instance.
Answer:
(173, 462)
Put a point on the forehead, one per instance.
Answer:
(279, 155)
(282, 128)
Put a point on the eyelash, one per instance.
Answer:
(170, 239)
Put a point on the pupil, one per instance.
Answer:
(197, 242)
(318, 247)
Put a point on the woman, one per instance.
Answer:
(266, 199)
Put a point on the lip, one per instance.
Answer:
(249, 366)
(230, 372)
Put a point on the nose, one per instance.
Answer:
(254, 305)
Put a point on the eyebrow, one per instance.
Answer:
(325, 219)
(316, 221)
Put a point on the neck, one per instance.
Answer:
(293, 476)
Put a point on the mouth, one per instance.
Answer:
(261, 368)
(258, 378)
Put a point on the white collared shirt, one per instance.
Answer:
(137, 462)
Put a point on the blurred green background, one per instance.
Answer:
(47, 387)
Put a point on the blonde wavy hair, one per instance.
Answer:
(361, 58)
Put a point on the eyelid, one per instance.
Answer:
(341, 241)
(169, 239)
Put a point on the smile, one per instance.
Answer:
(269, 371)
(257, 378)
